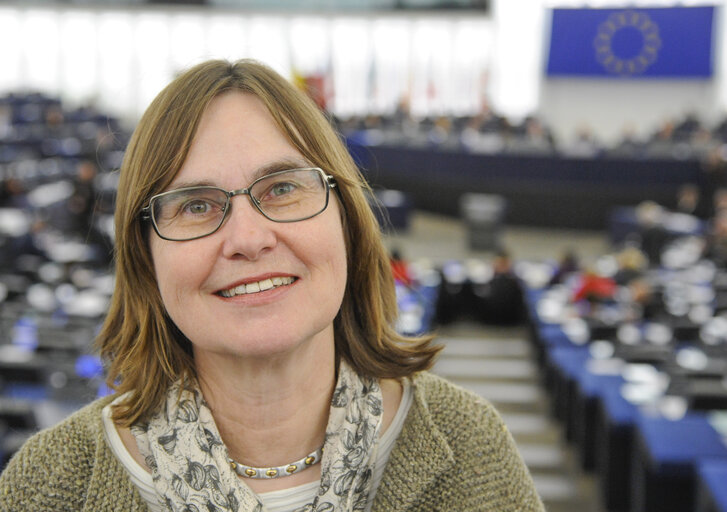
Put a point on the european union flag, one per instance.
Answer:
(674, 42)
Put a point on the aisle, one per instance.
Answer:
(497, 364)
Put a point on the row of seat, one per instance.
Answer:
(55, 278)
(644, 400)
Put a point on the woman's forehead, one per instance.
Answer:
(237, 137)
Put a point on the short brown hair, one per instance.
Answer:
(145, 351)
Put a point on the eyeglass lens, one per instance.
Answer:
(283, 197)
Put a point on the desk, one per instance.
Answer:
(561, 366)
(665, 462)
(549, 337)
(712, 486)
(614, 435)
(586, 395)
(540, 190)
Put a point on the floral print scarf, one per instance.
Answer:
(188, 460)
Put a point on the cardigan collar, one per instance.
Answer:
(108, 471)
(419, 456)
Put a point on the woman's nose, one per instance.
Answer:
(246, 232)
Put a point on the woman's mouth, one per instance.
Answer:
(258, 286)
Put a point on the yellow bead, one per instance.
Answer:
(272, 472)
(310, 460)
(233, 465)
(291, 468)
(250, 472)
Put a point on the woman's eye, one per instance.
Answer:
(280, 189)
(197, 207)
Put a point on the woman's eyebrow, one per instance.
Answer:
(191, 184)
(269, 168)
(280, 165)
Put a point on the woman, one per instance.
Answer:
(250, 338)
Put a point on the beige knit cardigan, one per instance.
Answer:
(453, 454)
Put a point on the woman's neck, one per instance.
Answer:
(274, 411)
(273, 414)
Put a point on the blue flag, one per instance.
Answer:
(673, 42)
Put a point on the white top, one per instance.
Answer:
(275, 501)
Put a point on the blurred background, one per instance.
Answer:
(550, 177)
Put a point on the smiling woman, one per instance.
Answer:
(250, 340)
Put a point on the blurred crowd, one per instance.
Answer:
(57, 196)
(491, 133)
(55, 179)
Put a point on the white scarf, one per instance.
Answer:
(189, 462)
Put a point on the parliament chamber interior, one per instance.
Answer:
(550, 178)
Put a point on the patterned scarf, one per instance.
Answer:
(188, 460)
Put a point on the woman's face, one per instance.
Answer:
(236, 140)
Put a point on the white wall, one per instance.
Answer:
(608, 108)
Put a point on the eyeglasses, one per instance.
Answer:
(194, 212)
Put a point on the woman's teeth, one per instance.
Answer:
(259, 286)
